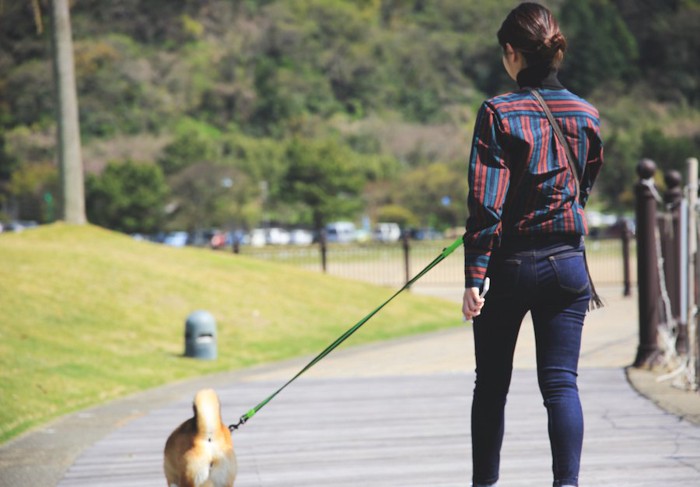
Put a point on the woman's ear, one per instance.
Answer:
(511, 53)
(513, 61)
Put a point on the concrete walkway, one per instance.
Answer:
(414, 393)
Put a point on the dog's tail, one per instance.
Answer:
(207, 410)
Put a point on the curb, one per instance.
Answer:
(680, 402)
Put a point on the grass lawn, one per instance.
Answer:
(91, 315)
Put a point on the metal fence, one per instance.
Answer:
(393, 264)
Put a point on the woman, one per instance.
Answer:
(524, 231)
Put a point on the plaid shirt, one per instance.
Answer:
(519, 178)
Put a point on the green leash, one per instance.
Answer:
(445, 252)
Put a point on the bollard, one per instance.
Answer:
(647, 272)
(200, 336)
(672, 255)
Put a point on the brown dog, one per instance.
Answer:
(199, 453)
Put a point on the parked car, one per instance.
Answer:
(600, 223)
(257, 237)
(425, 234)
(176, 239)
(340, 232)
(299, 236)
(387, 232)
(277, 236)
(20, 225)
(219, 240)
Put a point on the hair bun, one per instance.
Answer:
(557, 42)
(532, 29)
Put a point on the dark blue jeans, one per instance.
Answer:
(549, 279)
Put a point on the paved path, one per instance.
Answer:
(389, 414)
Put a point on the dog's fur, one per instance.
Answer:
(199, 453)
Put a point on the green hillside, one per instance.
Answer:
(230, 109)
(90, 315)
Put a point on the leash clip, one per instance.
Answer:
(241, 422)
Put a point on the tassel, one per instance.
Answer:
(596, 301)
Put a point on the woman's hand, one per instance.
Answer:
(472, 303)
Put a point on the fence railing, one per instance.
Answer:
(392, 264)
(667, 238)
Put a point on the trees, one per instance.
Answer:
(128, 197)
(325, 176)
(602, 49)
(193, 143)
(237, 84)
(666, 32)
(436, 192)
(208, 195)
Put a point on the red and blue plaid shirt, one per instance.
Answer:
(519, 178)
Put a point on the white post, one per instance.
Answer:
(685, 214)
(693, 352)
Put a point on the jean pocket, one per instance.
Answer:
(570, 270)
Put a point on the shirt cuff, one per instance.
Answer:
(475, 264)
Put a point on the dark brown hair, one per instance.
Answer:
(532, 29)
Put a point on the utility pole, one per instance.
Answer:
(69, 154)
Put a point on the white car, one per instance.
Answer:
(341, 232)
(176, 239)
(299, 236)
(257, 237)
(277, 236)
(387, 232)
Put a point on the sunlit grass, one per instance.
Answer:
(90, 315)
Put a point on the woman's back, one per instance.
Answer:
(542, 190)
(521, 183)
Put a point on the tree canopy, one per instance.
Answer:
(317, 109)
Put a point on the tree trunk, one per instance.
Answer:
(69, 156)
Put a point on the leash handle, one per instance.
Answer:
(445, 252)
(485, 289)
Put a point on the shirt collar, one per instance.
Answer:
(532, 77)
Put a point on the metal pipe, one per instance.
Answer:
(693, 329)
(685, 267)
(673, 245)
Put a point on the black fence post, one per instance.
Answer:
(324, 248)
(627, 281)
(236, 245)
(647, 271)
(672, 255)
(406, 255)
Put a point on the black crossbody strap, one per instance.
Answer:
(562, 140)
(596, 301)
